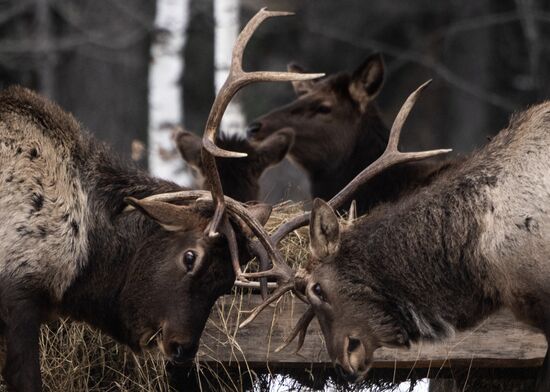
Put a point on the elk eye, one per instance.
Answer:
(189, 259)
(319, 292)
(323, 109)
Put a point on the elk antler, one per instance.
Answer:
(390, 157)
(236, 79)
(352, 213)
(300, 328)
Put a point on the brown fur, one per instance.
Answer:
(444, 257)
(68, 248)
(239, 177)
(339, 132)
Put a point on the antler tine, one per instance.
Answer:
(402, 115)
(254, 285)
(300, 328)
(264, 263)
(237, 79)
(391, 156)
(352, 214)
(233, 247)
(278, 293)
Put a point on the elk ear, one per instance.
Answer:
(170, 216)
(367, 80)
(274, 148)
(324, 230)
(260, 211)
(300, 87)
(189, 145)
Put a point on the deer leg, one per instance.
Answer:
(543, 380)
(22, 366)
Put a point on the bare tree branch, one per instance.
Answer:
(421, 59)
(45, 63)
(144, 21)
(19, 8)
(529, 25)
(110, 39)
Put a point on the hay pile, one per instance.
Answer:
(75, 357)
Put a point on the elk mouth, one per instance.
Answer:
(151, 339)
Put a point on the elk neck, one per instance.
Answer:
(371, 137)
(419, 259)
(114, 239)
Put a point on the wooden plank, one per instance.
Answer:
(499, 342)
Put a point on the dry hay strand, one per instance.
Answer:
(75, 357)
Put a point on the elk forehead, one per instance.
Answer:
(332, 90)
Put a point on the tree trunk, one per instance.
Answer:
(165, 90)
(226, 15)
(102, 76)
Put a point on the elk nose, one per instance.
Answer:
(345, 374)
(353, 345)
(253, 128)
(182, 353)
(354, 364)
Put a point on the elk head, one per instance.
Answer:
(239, 177)
(177, 274)
(328, 115)
(351, 319)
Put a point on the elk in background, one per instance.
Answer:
(91, 238)
(339, 132)
(442, 258)
(239, 177)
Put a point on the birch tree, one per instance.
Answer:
(226, 15)
(165, 95)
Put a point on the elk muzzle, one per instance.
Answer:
(354, 362)
(179, 351)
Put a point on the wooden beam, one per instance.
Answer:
(499, 342)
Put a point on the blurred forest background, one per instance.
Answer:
(488, 58)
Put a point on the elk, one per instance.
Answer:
(88, 237)
(239, 177)
(339, 132)
(441, 259)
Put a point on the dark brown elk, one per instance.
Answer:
(442, 258)
(86, 236)
(239, 177)
(339, 132)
